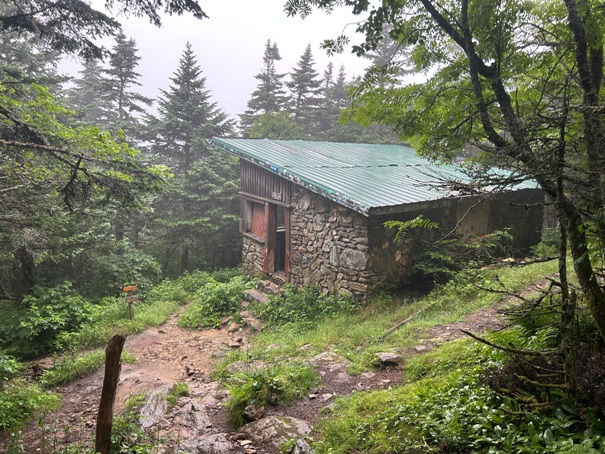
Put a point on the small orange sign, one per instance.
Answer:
(129, 288)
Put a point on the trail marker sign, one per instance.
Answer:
(130, 298)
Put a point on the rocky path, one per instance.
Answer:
(198, 423)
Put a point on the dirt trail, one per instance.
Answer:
(168, 354)
(165, 355)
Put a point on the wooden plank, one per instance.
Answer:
(259, 222)
(262, 183)
(255, 198)
(287, 240)
(270, 238)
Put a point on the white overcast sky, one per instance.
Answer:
(229, 46)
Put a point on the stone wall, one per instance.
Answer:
(329, 245)
(252, 256)
(340, 250)
(520, 212)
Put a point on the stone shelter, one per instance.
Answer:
(313, 213)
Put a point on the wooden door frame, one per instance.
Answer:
(270, 239)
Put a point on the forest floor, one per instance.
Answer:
(169, 354)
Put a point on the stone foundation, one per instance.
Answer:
(252, 256)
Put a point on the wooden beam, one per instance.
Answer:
(270, 237)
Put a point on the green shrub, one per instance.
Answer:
(273, 386)
(116, 269)
(302, 306)
(215, 300)
(226, 274)
(9, 367)
(169, 290)
(549, 244)
(20, 402)
(436, 262)
(193, 281)
(31, 327)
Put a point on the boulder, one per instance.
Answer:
(211, 444)
(273, 431)
(302, 447)
(353, 259)
(387, 359)
(155, 407)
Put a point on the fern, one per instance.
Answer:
(419, 222)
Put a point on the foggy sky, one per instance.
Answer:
(229, 46)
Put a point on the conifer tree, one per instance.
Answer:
(204, 191)
(269, 96)
(187, 117)
(85, 97)
(305, 87)
(127, 105)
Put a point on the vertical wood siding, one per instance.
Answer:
(262, 183)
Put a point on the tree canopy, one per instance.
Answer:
(521, 81)
(74, 26)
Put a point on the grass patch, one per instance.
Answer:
(70, 368)
(180, 389)
(276, 385)
(357, 335)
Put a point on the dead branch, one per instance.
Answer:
(514, 350)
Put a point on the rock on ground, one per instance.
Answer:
(211, 444)
(273, 431)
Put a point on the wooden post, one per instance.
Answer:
(270, 237)
(130, 299)
(108, 395)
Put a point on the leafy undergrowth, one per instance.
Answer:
(213, 301)
(447, 406)
(450, 401)
(69, 326)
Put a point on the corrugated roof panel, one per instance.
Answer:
(359, 176)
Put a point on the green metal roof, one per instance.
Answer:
(368, 178)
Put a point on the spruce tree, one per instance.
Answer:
(305, 87)
(127, 105)
(187, 118)
(86, 95)
(204, 183)
(269, 96)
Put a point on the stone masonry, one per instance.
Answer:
(252, 256)
(340, 250)
(329, 245)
